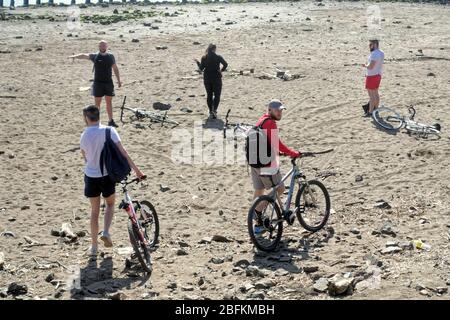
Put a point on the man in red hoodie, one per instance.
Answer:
(269, 176)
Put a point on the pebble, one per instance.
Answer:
(172, 285)
(310, 269)
(265, 284)
(134, 40)
(182, 252)
(217, 260)
(358, 178)
(17, 289)
(339, 285)
(390, 250)
(381, 204)
(163, 188)
(321, 285)
(219, 238)
(243, 263)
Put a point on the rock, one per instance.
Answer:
(321, 285)
(219, 238)
(30, 240)
(391, 244)
(206, 240)
(55, 233)
(81, 234)
(424, 292)
(196, 43)
(54, 178)
(182, 252)
(387, 229)
(217, 260)
(310, 269)
(2, 260)
(183, 244)
(161, 48)
(66, 231)
(163, 188)
(115, 11)
(172, 285)
(161, 106)
(358, 178)
(390, 250)
(16, 289)
(355, 231)
(246, 287)
(431, 74)
(381, 204)
(265, 284)
(257, 295)
(50, 277)
(117, 296)
(187, 110)
(135, 40)
(339, 285)
(147, 24)
(243, 263)
(26, 207)
(187, 288)
(254, 271)
(8, 234)
(201, 281)
(12, 219)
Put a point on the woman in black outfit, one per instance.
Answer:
(212, 77)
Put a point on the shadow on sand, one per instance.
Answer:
(97, 282)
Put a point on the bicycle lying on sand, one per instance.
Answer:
(239, 129)
(140, 114)
(312, 208)
(143, 225)
(389, 119)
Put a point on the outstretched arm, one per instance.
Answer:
(116, 72)
(80, 56)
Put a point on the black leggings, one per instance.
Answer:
(213, 90)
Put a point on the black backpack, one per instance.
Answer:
(258, 148)
(113, 160)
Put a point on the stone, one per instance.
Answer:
(161, 48)
(187, 288)
(2, 260)
(163, 188)
(172, 285)
(206, 240)
(321, 285)
(390, 250)
(26, 207)
(16, 289)
(355, 231)
(381, 204)
(186, 110)
(182, 252)
(217, 260)
(310, 269)
(358, 178)
(135, 40)
(117, 296)
(66, 231)
(265, 284)
(219, 238)
(339, 285)
(243, 263)
(50, 277)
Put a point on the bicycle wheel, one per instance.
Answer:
(423, 130)
(387, 118)
(140, 249)
(149, 221)
(312, 205)
(269, 234)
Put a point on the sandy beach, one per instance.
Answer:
(42, 93)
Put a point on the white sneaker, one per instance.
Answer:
(106, 238)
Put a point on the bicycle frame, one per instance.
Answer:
(127, 204)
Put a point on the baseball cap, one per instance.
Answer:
(276, 104)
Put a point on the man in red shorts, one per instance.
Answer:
(373, 76)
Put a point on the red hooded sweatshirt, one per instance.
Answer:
(271, 128)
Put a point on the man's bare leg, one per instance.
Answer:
(95, 212)
(108, 101)
(109, 212)
(371, 100)
(98, 101)
(376, 98)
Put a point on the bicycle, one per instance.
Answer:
(143, 225)
(239, 129)
(306, 205)
(390, 120)
(140, 114)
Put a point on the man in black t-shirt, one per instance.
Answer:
(103, 86)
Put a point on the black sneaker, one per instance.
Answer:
(365, 108)
(111, 123)
(367, 115)
(214, 114)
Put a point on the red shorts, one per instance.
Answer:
(373, 82)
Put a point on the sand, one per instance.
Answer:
(42, 93)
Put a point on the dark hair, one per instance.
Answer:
(210, 49)
(92, 113)
(375, 42)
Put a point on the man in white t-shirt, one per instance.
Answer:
(96, 184)
(374, 70)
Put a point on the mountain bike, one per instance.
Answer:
(140, 114)
(312, 208)
(389, 119)
(143, 224)
(239, 129)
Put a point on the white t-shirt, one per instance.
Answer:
(91, 142)
(378, 56)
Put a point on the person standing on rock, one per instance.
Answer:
(103, 86)
(212, 77)
(98, 183)
(374, 69)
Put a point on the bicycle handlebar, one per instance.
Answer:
(135, 180)
(310, 154)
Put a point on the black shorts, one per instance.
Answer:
(101, 89)
(93, 187)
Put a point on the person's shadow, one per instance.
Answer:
(97, 281)
(216, 124)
